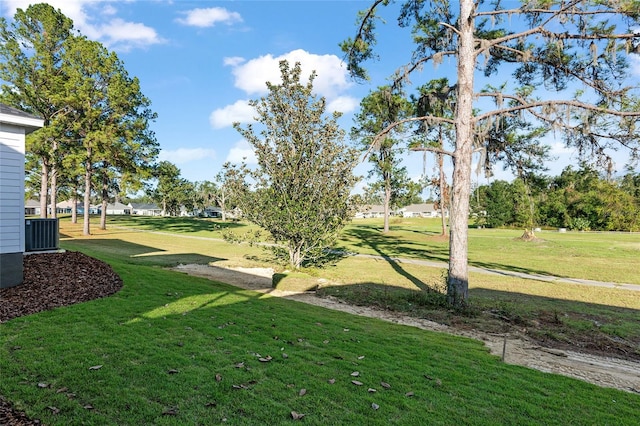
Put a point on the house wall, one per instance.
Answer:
(11, 204)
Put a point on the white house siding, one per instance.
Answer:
(11, 204)
(14, 125)
(11, 188)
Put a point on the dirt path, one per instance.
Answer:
(602, 371)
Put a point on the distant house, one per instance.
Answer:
(421, 210)
(371, 211)
(141, 209)
(14, 126)
(32, 208)
(118, 209)
(66, 207)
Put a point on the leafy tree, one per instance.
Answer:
(32, 68)
(108, 119)
(498, 203)
(437, 98)
(171, 190)
(546, 46)
(377, 110)
(300, 190)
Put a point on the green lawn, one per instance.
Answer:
(170, 349)
(174, 349)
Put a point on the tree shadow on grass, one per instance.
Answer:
(137, 253)
(389, 248)
(181, 225)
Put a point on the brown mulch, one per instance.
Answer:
(52, 280)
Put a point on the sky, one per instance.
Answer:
(200, 62)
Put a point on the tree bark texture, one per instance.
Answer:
(44, 186)
(458, 278)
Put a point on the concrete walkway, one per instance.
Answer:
(527, 276)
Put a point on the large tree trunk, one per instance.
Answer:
(87, 195)
(105, 199)
(44, 188)
(443, 194)
(387, 201)
(74, 208)
(458, 278)
(54, 192)
(54, 180)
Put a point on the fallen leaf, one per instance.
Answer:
(361, 357)
(285, 356)
(385, 385)
(54, 410)
(170, 411)
(357, 383)
(296, 416)
(71, 395)
(43, 385)
(346, 329)
(218, 378)
(355, 373)
(265, 359)
(371, 390)
(211, 404)
(95, 367)
(408, 394)
(180, 344)
(88, 407)
(375, 406)
(325, 341)
(240, 365)
(302, 392)
(332, 381)
(438, 382)
(173, 371)
(426, 376)
(62, 390)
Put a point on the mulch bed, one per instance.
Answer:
(52, 280)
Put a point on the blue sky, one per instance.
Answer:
(200, 62)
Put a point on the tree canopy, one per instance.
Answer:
(300, 190)
(567, 63)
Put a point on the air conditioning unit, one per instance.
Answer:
(41, 234)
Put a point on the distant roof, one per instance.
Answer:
(143, 206)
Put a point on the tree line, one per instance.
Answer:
(96, 138)
(565, 65)
(579, 199)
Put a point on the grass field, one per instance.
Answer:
(564, 313)
(179, 350)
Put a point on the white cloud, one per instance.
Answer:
(186, 155)
(98, 21)
(240, 111)
(233, 61)
(558, 148)
(343, 104)
(635, 64)
(251, 76)
(209, 17)
(242, 151)
(121, 35)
